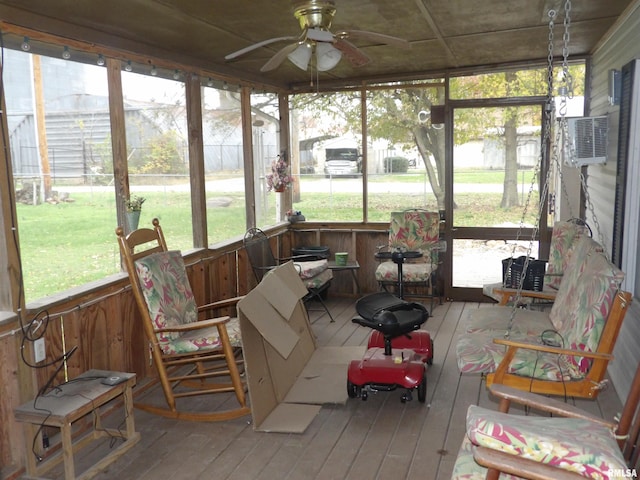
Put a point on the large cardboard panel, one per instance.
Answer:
(324, 378)
(285, 371)
(281, 358)
(262, 395)
(270, 324)
(289, 418)
(283, 289)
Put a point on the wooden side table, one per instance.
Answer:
(352, 266)
(68, 403)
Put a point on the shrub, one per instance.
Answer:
(396, 164)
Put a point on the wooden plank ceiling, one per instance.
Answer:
(444, 34)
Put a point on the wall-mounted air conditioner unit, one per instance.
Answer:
(588, 137)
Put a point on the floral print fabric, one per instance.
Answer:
(466, 467)
(583, 304)
(497, 318)
(562, 239)
(170, 301)
(578, 315)
(415, 231)
(319, 280)
(311, 269)
(572, 444)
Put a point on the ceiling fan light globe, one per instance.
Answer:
(328, 56)
(301, 56)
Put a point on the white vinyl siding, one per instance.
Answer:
(620, 47)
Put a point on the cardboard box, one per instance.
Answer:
(289, 378)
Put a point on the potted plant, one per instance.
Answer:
(133, 204)
(279, 179)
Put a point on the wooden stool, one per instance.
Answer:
(70, 402)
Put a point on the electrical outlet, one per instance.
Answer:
(39, 351)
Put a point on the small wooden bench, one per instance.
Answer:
(69, 402)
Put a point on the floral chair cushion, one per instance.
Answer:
(477, 353)
(496, 319)
(170, 301)
(411, 272)
(583, 304)
(563, 237)
(311, 269)
(466, 467)
(572, 444)
(415, 231)
(319, 280)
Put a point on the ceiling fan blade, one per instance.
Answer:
(278, 58)
(264, 43)
(356, 56)
(375, 37)
(319, 35)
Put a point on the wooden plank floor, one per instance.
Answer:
(381, 438)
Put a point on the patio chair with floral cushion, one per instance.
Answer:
(563, 352)
(568, 444)
(189, 353)
(314, 273)
(412, 231)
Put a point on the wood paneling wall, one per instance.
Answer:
(361, 242)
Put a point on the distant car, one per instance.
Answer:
(342, 162)
(413, 162)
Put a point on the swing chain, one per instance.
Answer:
(568, 91)
(544, 149)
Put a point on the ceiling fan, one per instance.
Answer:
(315, 18)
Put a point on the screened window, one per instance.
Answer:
(328, 156)
(60, 141)
(223, 163)
(264, 130)
(406, 161)
(158, 153)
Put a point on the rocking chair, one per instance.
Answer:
(188, 353)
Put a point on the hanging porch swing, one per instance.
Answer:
(566, 350)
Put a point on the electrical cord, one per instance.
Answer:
(36, 328)
(28, 334)
(552, 338)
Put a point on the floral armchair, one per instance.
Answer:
(569, 444)
(412, 230)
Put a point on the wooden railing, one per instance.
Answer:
(102, 319)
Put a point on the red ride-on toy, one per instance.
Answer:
(397, 353)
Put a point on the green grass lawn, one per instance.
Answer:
(68, 244)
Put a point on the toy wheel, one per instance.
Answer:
(365, 395)
(353, 390)
(430, 359)
(422, 389)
